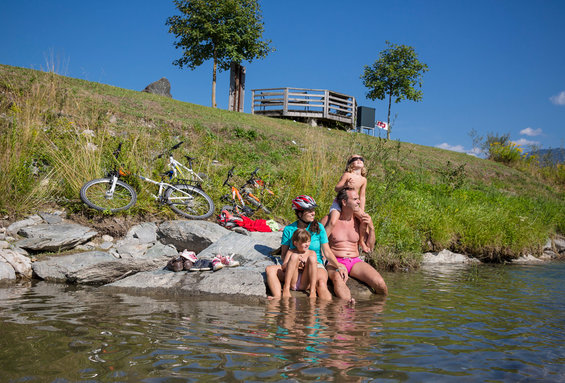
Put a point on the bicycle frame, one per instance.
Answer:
(238, 195)
(177, 168)
(182, 193)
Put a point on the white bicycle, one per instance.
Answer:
(184, 194)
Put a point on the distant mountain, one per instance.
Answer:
(551, 156)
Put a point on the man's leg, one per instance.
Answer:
(340, 288)
(366, 273)
(274, 276)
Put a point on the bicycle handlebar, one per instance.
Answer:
(117, 151)
(230, 173)
(176, 146)
(170, 150)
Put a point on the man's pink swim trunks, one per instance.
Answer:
(348, 262)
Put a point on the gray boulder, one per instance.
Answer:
(145, 232)
(246, 249)
(101, 267)
(559, 243)
(191, 235)
(6, 271)
(57, 237)
(247, 279)
(19, 262)
(446, 256)
(526, 259)
(161, 87)
(16, 226)
(57, 268)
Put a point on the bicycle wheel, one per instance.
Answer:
(254, 202)
(189, 201)
(94, 194)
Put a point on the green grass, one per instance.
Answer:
(421, 198)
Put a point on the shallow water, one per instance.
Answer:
(487, 323)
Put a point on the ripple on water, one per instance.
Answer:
(464, 323)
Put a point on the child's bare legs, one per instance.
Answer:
(291, 274)
(312, 263)
(362, 231)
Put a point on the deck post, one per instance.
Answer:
(252, 102)
(326, 103)
(285, 102)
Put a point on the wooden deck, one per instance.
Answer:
(319, 104)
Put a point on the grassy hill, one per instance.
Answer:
(58, 132)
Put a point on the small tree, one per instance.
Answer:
(395, 74)
(221, 30)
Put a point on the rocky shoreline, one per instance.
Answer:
(49, 247)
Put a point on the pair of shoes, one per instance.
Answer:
(190, 255)
(175, 264)
(217, 263)
(228, 260)
(201, 265)
(187, 264)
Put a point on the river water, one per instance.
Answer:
(470, 323)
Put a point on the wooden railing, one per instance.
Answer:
(304, 103)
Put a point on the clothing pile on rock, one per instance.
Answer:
(188, 261)
(230, 221)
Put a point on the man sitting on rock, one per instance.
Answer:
(344, 241)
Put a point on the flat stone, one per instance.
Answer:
(57, 237)
(16, 226)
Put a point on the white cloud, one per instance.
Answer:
(459, 148)
(531, 132)
(524, 142)
(558, 99)
(454, 148)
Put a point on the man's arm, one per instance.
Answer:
(332, 261)
(370, 233)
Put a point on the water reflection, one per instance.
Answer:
(324, 339)
(471, 323)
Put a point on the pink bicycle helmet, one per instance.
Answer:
(303, 202)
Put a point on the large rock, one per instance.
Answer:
(446, 256)
(252, 252)
(246, 249)
(58, 237)
(19, 262)
(18, 225)
(161, 87)
(144, 232)
(100, 267)
(6, 271)
(191, 235)
(242, 281)
(57, 268)
(526, 259)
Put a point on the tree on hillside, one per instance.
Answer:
(396, 74)
(225, 31)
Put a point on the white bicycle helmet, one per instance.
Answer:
(303, 202)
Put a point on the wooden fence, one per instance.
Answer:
(304, 103)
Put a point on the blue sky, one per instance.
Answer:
(496, 66)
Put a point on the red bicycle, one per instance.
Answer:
(241, 200)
